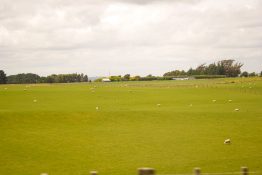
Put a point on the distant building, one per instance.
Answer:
(179, 78)
(106, 80)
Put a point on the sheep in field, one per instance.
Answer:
(227, 141)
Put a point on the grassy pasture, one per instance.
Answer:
(57, 128)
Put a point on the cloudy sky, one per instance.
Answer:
(101, 37)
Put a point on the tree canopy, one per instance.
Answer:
(224, 67)
(66, 78)
(54, 78)
(3, 78)
(23, 78)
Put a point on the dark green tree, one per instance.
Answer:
(253, 74)
(190, 71)
(201, 69)
(227, 68)
(66, 78)
(24, 78)
(115, 78)
(231, 69)
(85, 78)
(3, 78)
(177, 73)
(135, 78)
(244, 74)
(126, 77)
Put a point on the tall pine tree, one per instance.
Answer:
(3, 78)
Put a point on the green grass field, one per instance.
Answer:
(58, 130)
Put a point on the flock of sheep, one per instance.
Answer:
(227, 141)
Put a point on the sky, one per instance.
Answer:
(116, 37)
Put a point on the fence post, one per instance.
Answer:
(244, 171)
(93, 173)
(146, 171)
(197, 171)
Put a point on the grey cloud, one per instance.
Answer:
(139, 37)
(154, 1)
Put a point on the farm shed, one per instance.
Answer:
(106, 80)
(186, 78)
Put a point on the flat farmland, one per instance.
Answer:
(115, 128)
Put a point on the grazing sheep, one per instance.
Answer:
(97, 108)
(191, 105)
(236, 109)
(158, 105)
(93, 172)
(214, 100)
(43, 174)
(229, 100)
(227, 141)
(34, 100)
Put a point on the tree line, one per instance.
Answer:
(29, 78)
(220, 69)
(228, 68)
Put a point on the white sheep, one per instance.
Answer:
(236, 109)
(227, 141)
(97, 108)
(214, 101)
(34, 100)
(158, 105)
(93, 172)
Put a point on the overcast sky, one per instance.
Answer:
(140, 37)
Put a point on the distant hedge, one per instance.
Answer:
(208, 76)
(27, 78)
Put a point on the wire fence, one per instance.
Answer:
(196, 171)
(226, 173)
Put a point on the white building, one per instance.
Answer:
(186, 78)
(106, 80)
